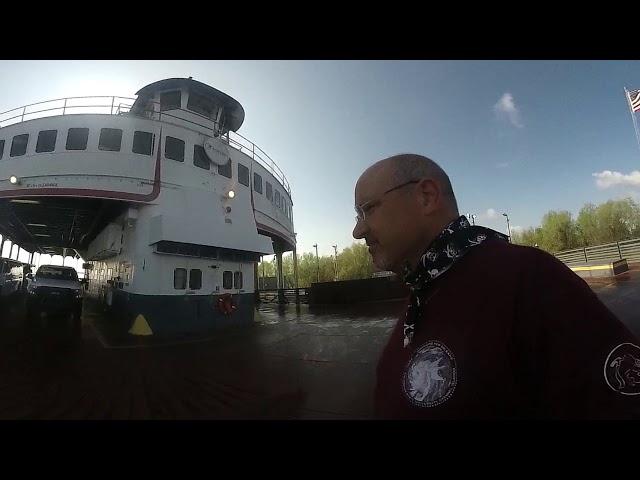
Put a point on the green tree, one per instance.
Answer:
(355, 262)
(558, 231)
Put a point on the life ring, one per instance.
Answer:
(225, 304)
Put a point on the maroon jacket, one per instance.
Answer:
(510, 332)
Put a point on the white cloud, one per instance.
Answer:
(607, 178)
(490, 214)
(502, 165)
(516, 228)
(505, 107)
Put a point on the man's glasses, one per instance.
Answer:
(360, 209)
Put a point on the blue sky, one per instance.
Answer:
(521, 137)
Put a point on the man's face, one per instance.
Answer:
(389, 226)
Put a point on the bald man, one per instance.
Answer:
(491, 329)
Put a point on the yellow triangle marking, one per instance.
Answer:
(256, 316)
(140, 326)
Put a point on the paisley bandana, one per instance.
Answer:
(454, 241)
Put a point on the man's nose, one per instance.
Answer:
(359, 230)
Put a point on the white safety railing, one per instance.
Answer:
(121, 105)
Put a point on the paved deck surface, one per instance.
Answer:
(293, 364)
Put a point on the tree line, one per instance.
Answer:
(612, 221)
(351, 263)
(609, 222)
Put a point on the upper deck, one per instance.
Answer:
(179, 102)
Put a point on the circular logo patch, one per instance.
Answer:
(431, 375)
(622, 369)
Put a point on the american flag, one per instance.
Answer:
(634, 100)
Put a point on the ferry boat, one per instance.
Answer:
(168, 205)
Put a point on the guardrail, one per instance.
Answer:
(114, 105)
(627, 249)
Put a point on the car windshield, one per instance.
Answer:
(57, 273)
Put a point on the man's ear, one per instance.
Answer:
(430, 195)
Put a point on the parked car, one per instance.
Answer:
(55, 291)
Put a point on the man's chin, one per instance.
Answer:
(380, 263)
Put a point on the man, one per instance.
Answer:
(491, 329)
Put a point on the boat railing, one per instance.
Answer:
(114, 105)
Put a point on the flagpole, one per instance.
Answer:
(633, 117)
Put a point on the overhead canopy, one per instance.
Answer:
(234, 112)
(56, 223)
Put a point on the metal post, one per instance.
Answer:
(619, 251)
(508, 228)
(256, 286)
(295, 274)
(281, 297)
(335, 264)
(317, 264)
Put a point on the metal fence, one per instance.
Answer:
(628, 249)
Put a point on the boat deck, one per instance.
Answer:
(292, 364)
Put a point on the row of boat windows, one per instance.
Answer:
(143, 143)
(229, 279)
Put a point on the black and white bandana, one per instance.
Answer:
(449, 246)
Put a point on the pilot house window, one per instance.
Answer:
(1, 151)
(110, 139)
(170, 100)
(201, 104)
(269, 191)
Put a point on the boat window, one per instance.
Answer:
(201, 104)
(257, 183)
(277, 199)
(195, 279)
(170, 100)
(225, 170)
(1, 148)
(19, 145)
(174, 149)
(180, 278)
(46, 141)
(243, 175)
(227, 280)
(237, 280)
(143, 143)
(269, 191)
(110, 139)
(77, 138)
(200, 158)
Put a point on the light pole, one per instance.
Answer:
(335, 263)
(508, 228)
(317, 264)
